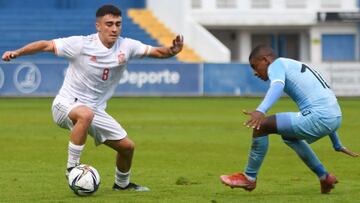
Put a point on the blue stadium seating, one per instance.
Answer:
(24, 21)
(69, 4)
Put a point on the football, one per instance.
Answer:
(84, 180)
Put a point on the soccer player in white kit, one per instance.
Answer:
(96, 64)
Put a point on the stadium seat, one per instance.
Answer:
(159, 31)
(22, 26)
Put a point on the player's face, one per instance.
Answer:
(109, 28)
(260, 66)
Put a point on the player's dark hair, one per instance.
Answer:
(262, 50)
(108, 9)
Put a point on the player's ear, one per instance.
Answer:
(267, 59)
(97, 25)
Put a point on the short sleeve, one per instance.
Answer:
(68, 47)
(276, 71)
(138, 49)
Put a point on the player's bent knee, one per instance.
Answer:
(261, 132)
(125, 146)
(268, 126)
(129, 146)
(257, 133)
(288, 142)
(82, 113)
(85, 115)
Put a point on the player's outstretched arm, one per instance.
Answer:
(339, 147)
(32, 48)
(166, 52)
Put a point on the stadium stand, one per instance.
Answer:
(159, 31)
(23, 21)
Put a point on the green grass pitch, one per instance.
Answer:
(182, 146)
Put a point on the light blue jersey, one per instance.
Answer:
(305, 86)
(319, 115)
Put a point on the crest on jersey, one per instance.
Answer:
(27, 78)
(93, 58)
(121, 57)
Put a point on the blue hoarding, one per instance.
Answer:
(30, 79)
(160, 79)
(140, 79)
(45, 79)
(232, 79)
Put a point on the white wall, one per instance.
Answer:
(305, 46)
(176, 14)
(343, 78)
(278, 12)
(170, 12)
(241, 15)
(245, 46)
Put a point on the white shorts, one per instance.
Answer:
(103, 127)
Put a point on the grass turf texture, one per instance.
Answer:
(182, 146)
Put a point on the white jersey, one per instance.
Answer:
(95, 70)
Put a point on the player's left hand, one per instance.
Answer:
(177, 45)
(256, 117)
(348, 152)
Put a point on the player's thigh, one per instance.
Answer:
(305, 125)
(61, 108)
(284, 124)
(105, 127)
(330, 124)
(293, 126)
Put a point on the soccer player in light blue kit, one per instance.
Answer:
(319, 115)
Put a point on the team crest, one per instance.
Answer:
(93, 58)
(121, 57)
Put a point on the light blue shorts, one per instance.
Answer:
(306, 125)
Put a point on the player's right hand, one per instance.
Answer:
(8, 55)
(256, 118)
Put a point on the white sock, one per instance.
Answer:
(251, 179)
(323, 177)
(122, 179)
(74, 152)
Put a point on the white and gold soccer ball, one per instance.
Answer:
(84, 180)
